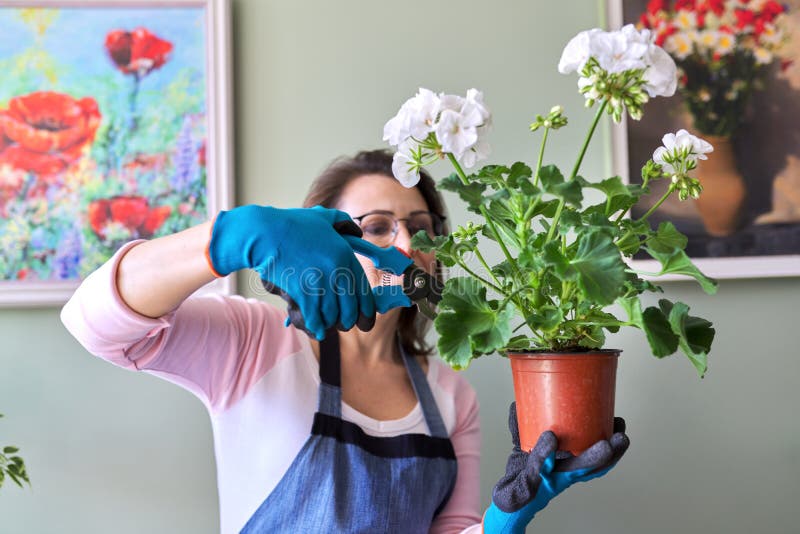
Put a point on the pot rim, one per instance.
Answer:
(547, 352)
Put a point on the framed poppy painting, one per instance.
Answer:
(738, 88)
(115, 124)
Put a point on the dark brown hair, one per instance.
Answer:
(326, 191)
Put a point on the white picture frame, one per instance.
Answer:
(764, 266)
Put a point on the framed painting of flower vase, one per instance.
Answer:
(115, 124)
(739, 89)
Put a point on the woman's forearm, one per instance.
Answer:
(156, 276)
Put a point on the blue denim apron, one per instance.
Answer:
(344, 480)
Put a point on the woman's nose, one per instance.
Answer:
(403, 238)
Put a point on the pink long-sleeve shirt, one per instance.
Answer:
(259, 381)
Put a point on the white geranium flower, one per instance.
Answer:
(456, 132)
(679, 149)
(577, 52)
(473, 103)
(620, 50)
(404, 168)
(453, 102)
(479, 151)
(415, 119)
(661, 77)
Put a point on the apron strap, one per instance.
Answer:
(420, 383)
(330, 375)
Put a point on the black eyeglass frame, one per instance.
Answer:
(438, 220)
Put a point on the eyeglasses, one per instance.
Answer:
(381, 227)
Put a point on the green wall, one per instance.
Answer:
(113, 451)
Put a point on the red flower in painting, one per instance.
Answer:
(46, 131)
(201, 154)
(138, 52)
(132, 212)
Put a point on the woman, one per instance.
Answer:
(394, 443)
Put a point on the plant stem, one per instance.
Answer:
(655, 206)
(462, 175)
(481, 279)
(541, 157)
(577, 167)
(486, 266)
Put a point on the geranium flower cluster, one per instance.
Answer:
(625, 67)
(430, 125)
(677, 156)
(722, 48)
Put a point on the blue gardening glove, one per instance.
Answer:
(533, 479)
(303, 256)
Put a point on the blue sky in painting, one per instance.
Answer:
(77, 36)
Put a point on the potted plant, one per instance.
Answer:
(12, 466)
(564, 262)
(724, 51)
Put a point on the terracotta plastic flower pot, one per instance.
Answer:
(571, 394)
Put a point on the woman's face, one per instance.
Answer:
(372, 192)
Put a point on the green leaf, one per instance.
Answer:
(552, 182)
(520, 342)
(571, 192)
(504, 223)
(680, 263)
(550, 176)
(654, 324)
(492, 174)
(629, 244)
(630, 241)
(695, 335)
(594, 338)
(662, 339)
(497, 336)
(601, 271)
(612, 187)
(518, 174)
(547, 318)
(569, 219)
(667, 239)
(467, 324)
(546, 208)
(10, 450)
(601, 318)
(633, 309)
(640, 285)
(422, 241)
(471, 193)
(552, 257)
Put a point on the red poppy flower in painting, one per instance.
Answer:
(201, 155)
(132, 212)
(138, 52)
(47, 131)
